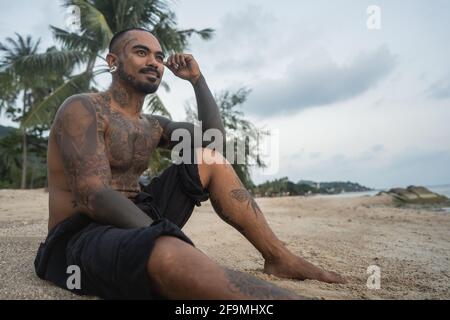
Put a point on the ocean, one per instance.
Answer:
(349, 194)
(443, 189)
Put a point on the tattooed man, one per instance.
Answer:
(127, 242)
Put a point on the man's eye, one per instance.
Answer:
(141, 53)
(159, 58)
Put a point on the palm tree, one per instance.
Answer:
(10, 159)
(30, 75)
(12, 53)
(99, 20)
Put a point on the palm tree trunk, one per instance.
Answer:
(23, 184)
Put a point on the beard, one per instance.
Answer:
(141, 86)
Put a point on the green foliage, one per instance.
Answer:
(8, 92)
(159, 160)
(11, 159)
(43, 113)
(32, 77)
(284, 187)
(10, 155)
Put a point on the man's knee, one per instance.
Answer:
(209, 156)
(208, 161)
(166, 255)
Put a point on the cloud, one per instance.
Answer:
(313, 83)
(417, 167)
(236, 47)
(372, 153)
(35, 19)
(440, 89)
(315, 155)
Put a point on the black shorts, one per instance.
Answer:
(113, 261)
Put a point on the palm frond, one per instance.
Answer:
(155, 105)
(123, 14)
(74, 41)
(43, 113)
(94, 22)
(13, 50)
(42, 63)
(8, 92)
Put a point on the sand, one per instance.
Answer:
(411, 246)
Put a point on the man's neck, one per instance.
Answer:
(127, 99)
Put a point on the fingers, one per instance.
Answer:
(174, 60)
(177, 60)
(183, 61)
(171, 61)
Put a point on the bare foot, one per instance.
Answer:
(293, 267)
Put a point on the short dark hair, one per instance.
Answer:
(120, 34)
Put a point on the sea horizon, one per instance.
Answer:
(443, 189)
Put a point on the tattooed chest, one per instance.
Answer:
(129, 144)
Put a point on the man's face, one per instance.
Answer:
(140, 61)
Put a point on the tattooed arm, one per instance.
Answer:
(197, 138)
(208, 111)
(80, 136)
(168, 127)
(208, 114)
(186, 67)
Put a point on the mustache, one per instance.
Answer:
(151, 69)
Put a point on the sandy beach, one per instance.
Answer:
(411, 246)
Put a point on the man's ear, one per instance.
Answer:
(112, 59)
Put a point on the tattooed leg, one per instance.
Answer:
(235, 205)
(180, 271)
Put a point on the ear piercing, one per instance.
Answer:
(113, 69)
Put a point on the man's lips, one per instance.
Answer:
(151, 73)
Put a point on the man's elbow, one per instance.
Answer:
(92, 201)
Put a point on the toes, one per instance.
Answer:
(333, 277)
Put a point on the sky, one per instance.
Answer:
(349, 94)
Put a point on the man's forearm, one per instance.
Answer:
(111, 207)
(208, 111)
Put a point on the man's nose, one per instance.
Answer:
(151, 61)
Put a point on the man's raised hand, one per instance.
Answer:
(184, 66)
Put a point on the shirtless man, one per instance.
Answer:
(128, 242)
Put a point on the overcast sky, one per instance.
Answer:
(349, 102)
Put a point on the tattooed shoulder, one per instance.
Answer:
(77, 114)
(73, 108)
